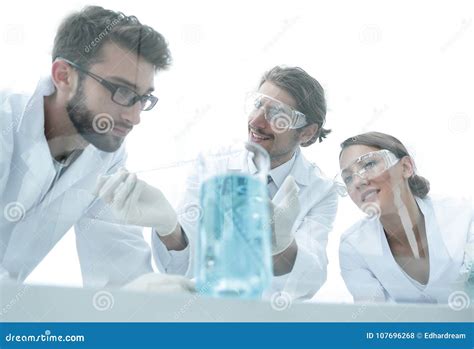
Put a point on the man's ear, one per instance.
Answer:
(308, 132)
(408, 167)
(64, 77)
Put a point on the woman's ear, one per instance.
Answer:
(307, 133)
(408, 167)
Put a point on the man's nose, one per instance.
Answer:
(257, 119)
(132, 114)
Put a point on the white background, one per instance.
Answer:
(400, 67)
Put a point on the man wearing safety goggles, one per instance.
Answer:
(287, 112)
(280, 115)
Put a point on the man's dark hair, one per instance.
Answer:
(307, 92)
(81, 36)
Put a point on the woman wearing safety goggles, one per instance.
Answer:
(412, 247)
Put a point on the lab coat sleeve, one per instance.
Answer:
(310, 269)
(360, 281)
(110, 254)
(188, 211)
(169, 262)
(7, 126)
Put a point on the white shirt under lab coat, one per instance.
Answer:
(372, 274)
(318, 199)
(37, 207)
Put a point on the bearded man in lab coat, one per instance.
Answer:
(56, 142)
(287, 112)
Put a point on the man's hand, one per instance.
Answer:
(137, 203)
(285, 208)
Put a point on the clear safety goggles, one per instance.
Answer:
(367, 166)
(277, 113)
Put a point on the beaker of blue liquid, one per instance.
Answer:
(233, 247)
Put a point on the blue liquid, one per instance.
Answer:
(233, 255)
(470, 285)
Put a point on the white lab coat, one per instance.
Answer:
(109, 254)
(372, 274)
(318, 199)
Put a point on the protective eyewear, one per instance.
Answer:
(277, 113)
(367, 166)
(121, 95)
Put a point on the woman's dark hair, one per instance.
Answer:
(308, 93)
(82, 34)
(419, 185)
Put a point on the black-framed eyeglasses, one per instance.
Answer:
(121, 95)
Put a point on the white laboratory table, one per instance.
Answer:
(32, 303)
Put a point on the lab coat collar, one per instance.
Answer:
(300, 168)
(37, 156)
(371, 243)
(34, 124)
(281, 172)
(90, 160)
(303, 171)
(439, 213)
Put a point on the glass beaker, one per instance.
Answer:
(233, 248)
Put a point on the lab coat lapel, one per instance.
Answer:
(35, 169)
(38, 174)
(437, 249)
(381, 262)
(302, 171)
(450, 217)
(90, 160)
(46, 223)
(313, 187)
(447, 221)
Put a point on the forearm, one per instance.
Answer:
(284, 261)
(175, 241)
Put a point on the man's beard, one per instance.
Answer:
(94, 128)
